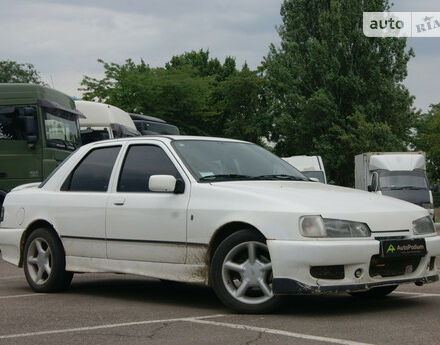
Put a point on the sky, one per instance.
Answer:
(64, 38)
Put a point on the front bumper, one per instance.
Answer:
(292, 262)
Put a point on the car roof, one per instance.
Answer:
(164, 138)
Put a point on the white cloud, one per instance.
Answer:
(64, 38)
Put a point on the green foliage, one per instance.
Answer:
(198, 94)
(333, 91)
(428, 140)
(14, 72)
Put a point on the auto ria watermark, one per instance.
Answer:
(401, 24)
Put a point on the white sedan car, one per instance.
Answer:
(212, 211)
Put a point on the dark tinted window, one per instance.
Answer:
(93, 173)
(92, 135)
(12, 121)
(141, 162)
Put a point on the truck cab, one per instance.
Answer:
(150, 125)
(38, 130)
(401, 175)
(310, 166)
(104, 121)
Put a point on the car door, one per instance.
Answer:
(79, 207)
(143, 225)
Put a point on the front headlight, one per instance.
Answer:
(316, 226)
(423, 226)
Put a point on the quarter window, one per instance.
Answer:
(141, 162)
(94, 171)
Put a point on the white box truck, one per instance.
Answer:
(397, 174)
(310, 166)
(104, 121)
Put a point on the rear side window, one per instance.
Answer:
(141, 162)
(92, 174)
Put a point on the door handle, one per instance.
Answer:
(119, 202)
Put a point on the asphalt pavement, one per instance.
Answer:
(126, 309)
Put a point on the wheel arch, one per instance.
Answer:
(222, 233)
(36, 224)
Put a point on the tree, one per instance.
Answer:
(333, 91)
(198, 94)
(176, 95)
(428, 140)
(241, 106)
(14, 72)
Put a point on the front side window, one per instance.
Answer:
(13, 121)
(141, 162)
(93, 173)
(61, 129)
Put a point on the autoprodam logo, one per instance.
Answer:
(391, 249)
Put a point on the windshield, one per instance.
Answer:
(91, 135)
(316, 174)
(61, 132)
(211, 161)
(402, 180)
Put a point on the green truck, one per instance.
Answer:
(38, 129)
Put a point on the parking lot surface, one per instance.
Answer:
(125, 309)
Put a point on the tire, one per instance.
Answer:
(377, 292)
(243, 258)
(44, 262)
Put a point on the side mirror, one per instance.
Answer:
(164, 183)
(313, 179)
(30, 129)
(435, 188)
(180, 186)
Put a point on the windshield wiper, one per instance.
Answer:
(407, 187)
(225, 177)
(60, 143)
(57, 143)
(280, 177)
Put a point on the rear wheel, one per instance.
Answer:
(241, 273)
(44, 262)
(377, 292)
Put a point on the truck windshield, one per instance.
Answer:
(61, 131)
(216, 161)
(316, 174)
(91, 135)
(402, 180)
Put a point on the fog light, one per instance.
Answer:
(358, 273)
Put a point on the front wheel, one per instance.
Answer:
(241, 273)
(44, 262)
(377, 292)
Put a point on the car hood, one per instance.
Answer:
(329, 201)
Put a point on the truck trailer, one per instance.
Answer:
(103, 121)
(310, 166)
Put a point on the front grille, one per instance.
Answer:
(327, 272)
(391, 267)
